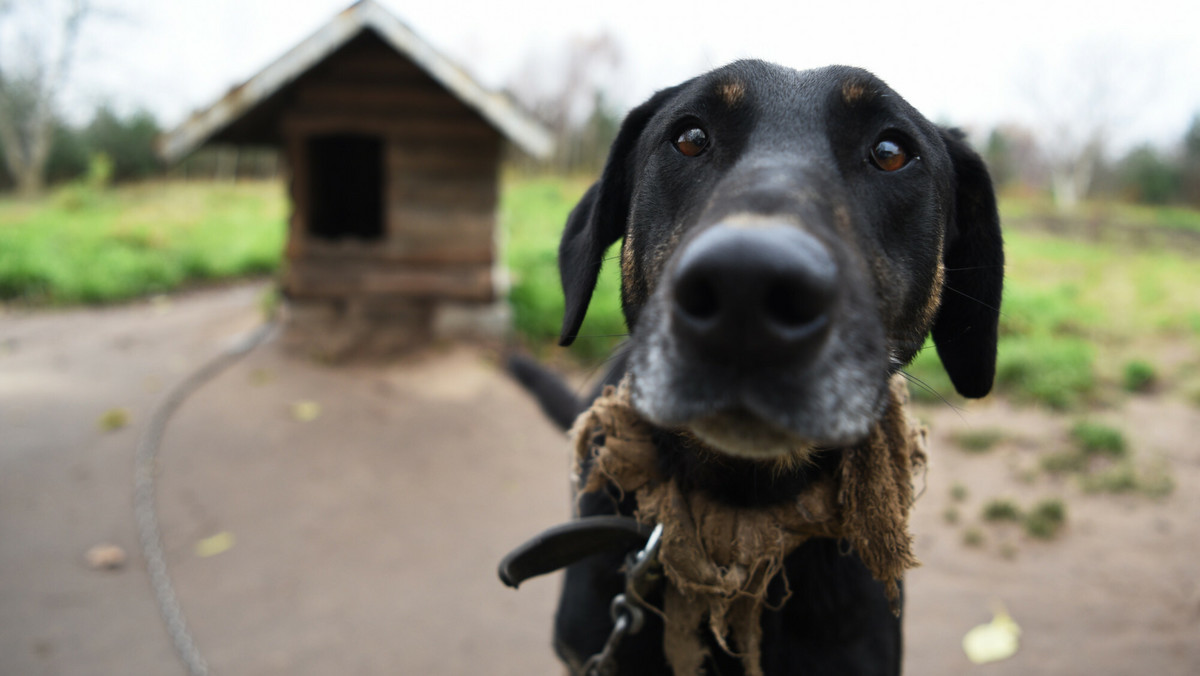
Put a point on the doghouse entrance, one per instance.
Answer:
(346, 186)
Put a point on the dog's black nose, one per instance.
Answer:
(754, 294)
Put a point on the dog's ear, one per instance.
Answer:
(600, 217)
(965, 330)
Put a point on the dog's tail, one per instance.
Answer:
(558, 401)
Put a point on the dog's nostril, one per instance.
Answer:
(789, 306)
(696, 295)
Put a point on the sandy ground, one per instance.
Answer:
(366, 540)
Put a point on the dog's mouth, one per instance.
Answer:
(739, 432)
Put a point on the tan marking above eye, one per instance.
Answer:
(888, 155)
(692, 141)
(732, 92)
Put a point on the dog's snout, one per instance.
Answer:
(754, 294)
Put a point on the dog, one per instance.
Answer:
(790, 239)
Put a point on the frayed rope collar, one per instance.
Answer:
(719, 559)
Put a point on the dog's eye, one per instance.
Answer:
(692, 141)
(889, 155)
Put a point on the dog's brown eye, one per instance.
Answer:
(889, 155)
(692, 142)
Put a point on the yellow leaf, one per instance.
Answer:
(113, 419)
(994, 641)
(306, 411)
(217, 544)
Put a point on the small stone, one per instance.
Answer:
(105, 557)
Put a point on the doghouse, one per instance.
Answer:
(393, 155)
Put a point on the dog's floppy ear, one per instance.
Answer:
(599, 218)
(965, 330)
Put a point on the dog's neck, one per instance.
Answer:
(737, 481)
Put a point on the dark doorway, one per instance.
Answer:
(346, 186)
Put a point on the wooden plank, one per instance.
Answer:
(308, 123)
(454, 193)
(447, 162)
(384, 95)
(469, 282)
(400, 251)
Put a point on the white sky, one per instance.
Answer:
(972, 64)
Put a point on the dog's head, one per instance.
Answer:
(790, 239)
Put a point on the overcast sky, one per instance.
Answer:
(973, 64)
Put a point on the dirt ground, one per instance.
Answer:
(365, 541)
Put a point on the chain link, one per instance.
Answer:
(642, 573)
(145, 511)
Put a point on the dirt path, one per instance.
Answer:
(365, 540)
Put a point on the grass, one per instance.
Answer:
(1095, 439)
(532, 215)
(1072, 312)
(1001, 509)
(978, 441)
(1138, 376)
(84, 245)
(1046, 519)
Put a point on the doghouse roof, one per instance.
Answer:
(240, 115)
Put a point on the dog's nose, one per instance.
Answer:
(754, 295)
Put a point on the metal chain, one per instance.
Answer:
(642, 573)
(144, 509)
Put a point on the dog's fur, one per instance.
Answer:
(772, 283)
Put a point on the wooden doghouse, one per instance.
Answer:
(393, 156)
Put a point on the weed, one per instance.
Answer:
(1096, 439)
(1064, 461)
(1001, 509)
(950, 515)
(978, 441)
(1139, 376)
(973, 537)
(1125, 477)
(958, 492)
(1046, 519)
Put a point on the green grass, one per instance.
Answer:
(1095, 439)
(532, 215)
(1138, 376)
(978, 441)
(1001, 509)
(82, 245)
(1046, 519)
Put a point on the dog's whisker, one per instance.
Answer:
(925, 386)
(974, 267)
(970, 297)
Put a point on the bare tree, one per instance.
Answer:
(1079, 105)
(565, 91)
(31, 77)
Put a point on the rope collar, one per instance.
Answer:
(719, 559)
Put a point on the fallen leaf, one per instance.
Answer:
(306, 411)
(261, 376)
(994, 641)
(113, 419)
(105, 557)
(217, 544)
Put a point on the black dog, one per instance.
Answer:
(790, 239)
